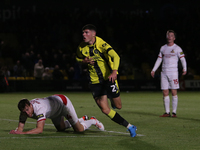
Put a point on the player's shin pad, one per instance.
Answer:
(117, 118)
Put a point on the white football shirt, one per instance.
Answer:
(49, 107)
(170, 56)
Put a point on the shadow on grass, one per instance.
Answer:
(136, 144)
(118, 141)
(190, 119)
(141, 113)
(152, 114)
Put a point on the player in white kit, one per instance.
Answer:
(54, 107)
(169, 55)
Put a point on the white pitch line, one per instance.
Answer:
(71, 136)
(45, 137)
(116, 132)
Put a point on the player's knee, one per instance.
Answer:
(165, 93)
(105, 111)
(60, 129)
(174, 92)
(119, 107)
(79, 130)
(78, 127)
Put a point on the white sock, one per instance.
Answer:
(166, 101)
(81, 120)
(174, 103)
(67, 124)
(86, 124)
(129, 125)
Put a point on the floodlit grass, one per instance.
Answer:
(139, 108)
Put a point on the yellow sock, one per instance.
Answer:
(114, 116)
(111, 113)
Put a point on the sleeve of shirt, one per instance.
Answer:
(79, 55)
(115, 57)
(158, 62)
(40, 112)
(40, 117)
(184, 64)
(22, 117)
(181, 55)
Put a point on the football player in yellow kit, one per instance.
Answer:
(103, 63)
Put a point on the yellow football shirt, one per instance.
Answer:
(106, 59)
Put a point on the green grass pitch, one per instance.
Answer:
(139, 108)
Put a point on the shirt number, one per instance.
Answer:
(175, 81)
(114, 88)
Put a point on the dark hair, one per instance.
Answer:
(22, 103)
(90, 27)
(172, 31)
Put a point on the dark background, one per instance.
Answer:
(135, 29)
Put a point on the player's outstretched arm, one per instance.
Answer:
(19, 129)
(37, 130)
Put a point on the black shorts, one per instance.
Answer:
(106, 88)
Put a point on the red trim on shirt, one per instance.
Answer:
(41, 120)
(64, 99)
(182, 56)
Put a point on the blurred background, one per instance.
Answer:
(38, 39)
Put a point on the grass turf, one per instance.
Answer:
(139, 108)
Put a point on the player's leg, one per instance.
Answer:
(68, 111)
(71, 116)
(68, 125)
(166, 103)
(100, 96)
(166, 98)
(84, 118)
(174, 87)
(115, 101)
(174, 102)
(102, 102)
(113, 91)
(79, 125)
(60, 124)
(99, 92)
(84, 125)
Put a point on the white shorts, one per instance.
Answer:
(169, 80)
(68, 111)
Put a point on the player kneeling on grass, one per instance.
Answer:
(54, 107)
